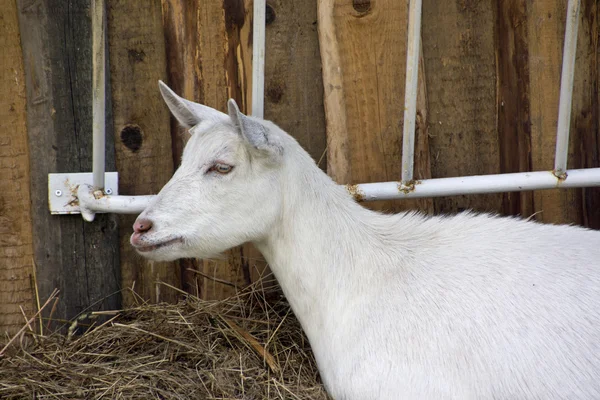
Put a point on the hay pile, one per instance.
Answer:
(247, 347)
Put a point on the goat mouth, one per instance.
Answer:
(145, 249)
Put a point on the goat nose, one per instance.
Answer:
(142, 225)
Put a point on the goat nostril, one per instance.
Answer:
(142, 225)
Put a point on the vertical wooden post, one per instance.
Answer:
(80, 259)
(16, 248)
(363, 49)
(513, 99)
(338, 148)
(546, 26)
(422, 146)
(458, 45)
(585, 116)
(587, 104)
(141, 131)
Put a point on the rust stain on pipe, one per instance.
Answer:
(561, 176)
(407, 188)
(355, 191)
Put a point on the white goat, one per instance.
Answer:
(395, 306)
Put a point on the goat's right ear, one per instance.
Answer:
(253, 131)
(188, 113)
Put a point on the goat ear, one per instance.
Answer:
(252, 130)
(188, 113)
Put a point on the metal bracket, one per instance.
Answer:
(62, 190)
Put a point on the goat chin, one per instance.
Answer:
(394, 306)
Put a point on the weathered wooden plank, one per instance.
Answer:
(293, 79)
(546, 31)
(372, 46)
(422, 168)
(141, 130)
(512, 99)
(209, 59)
(364, 60)
(338, 148)
(547, 26)
(16, 248)
(590, 143)
(79, 258)
(585, 124)
(458, 45)
(184, 64)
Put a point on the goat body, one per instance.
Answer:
(400, 306)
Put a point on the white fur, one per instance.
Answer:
(395, 306)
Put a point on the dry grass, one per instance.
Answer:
(246, 347)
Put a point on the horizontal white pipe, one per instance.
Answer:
(566, 88)
(92, 201)
(410, 94)
(516, 182)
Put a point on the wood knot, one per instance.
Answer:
(136, 56)
(269, 15)
(361, 6)
(275, 92)
(131, 137)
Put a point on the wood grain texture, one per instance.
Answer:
(585, 115)
(293, 79)
(338, 147)
(80, 259)
(364, 63)
(513, 99)
(16, 248)
(458, 44)
(137, 62)
(209, 60)
(422, 167)
(547, 27)
(589, 119)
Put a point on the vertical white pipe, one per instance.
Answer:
(566, 88)
(410, 96)
(98, 92)
(258, 59)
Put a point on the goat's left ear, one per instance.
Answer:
(253, 131)
(188, 113)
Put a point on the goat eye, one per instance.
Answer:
(221, 168)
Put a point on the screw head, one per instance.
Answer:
(58, 193)
(108, 191)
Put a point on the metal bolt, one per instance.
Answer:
(109, 191)
(58, 193)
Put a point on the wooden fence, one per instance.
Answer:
(488, 102)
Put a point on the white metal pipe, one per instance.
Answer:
(478, 184)
(94, 201)
(91, 202)
(258, 58)
(98, 92)
(566, 88)
(410, 93)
